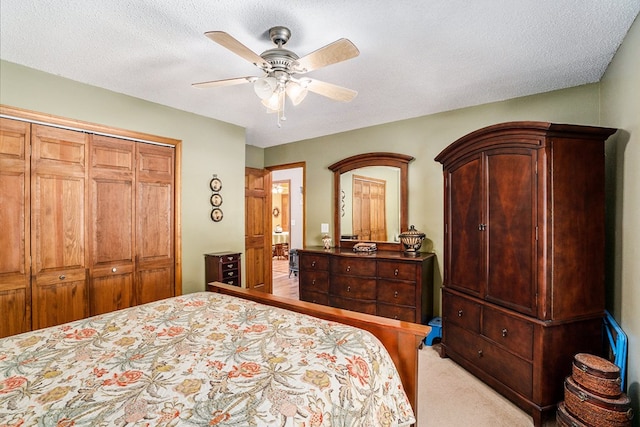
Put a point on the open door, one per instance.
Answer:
(257, 207)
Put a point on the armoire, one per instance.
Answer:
(524, 256)
(88, 220)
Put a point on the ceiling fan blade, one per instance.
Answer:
(330, 90)
(226, 82)
(226, 40)
(338, 51)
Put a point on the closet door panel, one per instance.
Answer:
(15, 269)
(59, 200)
(154, 223)
(112, 224)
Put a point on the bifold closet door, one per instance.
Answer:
(15, 268)
(111, 224)
(58, 230)
(155, 222)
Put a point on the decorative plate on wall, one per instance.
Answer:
(215, 184)
(216, 215)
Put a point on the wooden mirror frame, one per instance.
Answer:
(400, 161)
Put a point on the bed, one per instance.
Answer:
(208, 358)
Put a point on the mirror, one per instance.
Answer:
(370, 199)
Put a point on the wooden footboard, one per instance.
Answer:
(401, 339)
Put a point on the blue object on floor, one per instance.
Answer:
(436, 330)
(618, 344)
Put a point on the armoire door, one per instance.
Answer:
(111, 227)
(510, 232)
(58, 235)
(15, 267)
(465, 265)
(154, 223)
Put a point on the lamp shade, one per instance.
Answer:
(264, 87)
(296, 92)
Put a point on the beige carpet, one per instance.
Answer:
(449, 396)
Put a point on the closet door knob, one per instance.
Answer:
(113, 270)
(62, 277)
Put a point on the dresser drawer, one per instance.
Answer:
(461, 312)
(353, 287)
(507, 368)
(235, 281)
(353, 266)
(313, 261)
(314, 297)
(397, 270)
(317, 281)
(511, 332)
(368, 307)
(402, 293)
(398, 312)
(229, 274)
(230, 258)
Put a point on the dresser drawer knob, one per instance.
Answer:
(313, 282)
(313, 263)
(480, 353)
(348, 268)
(504, 332)
(348, 288)
(395, 272)
(229, 265)
(230, 258)
(460, 313)
(395, 294)
(230, 273)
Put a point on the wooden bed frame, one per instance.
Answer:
(401, 339)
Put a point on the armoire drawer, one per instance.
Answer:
(352, 266)
(509, 331)
(507, 368)
(462, 312)
(398, 312)
(396, 270)
(353, 287)
(401, 293)
(314, 281)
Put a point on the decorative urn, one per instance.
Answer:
(411, 241)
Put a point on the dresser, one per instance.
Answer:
(222, 267)
(384, 283)
(524, 256)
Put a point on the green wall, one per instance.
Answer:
(620, 108)
(208, 147)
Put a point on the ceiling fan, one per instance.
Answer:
(281, 68)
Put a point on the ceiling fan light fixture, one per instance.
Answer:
(275, 103)
(265, 87)
(296, 92)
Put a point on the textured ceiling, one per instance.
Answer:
(417, 57)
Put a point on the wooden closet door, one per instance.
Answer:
(257, 229)
(111, 224)
(58, 237)
(15, 267)
(154, 223)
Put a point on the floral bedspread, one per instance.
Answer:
(201, 359)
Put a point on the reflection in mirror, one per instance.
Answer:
(374, 187)
(370, 204)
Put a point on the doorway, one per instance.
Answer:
(288, 226)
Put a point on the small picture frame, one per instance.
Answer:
(215, 184)
(216, 215)
(216, 200)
